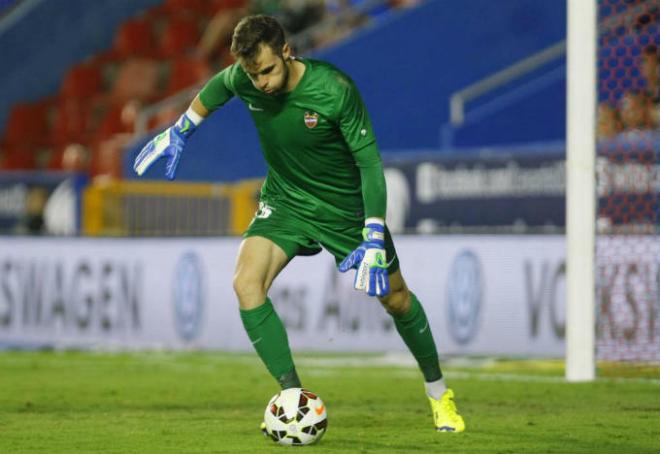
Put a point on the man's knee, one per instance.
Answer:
(259, 261)
(249, 289)
(397, 302)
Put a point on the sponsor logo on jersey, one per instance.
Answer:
(311, 119)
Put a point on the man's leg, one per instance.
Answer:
(413, 327)
(259, 261)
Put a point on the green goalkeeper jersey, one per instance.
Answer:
(317, 140)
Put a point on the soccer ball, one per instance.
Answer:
(295, 416)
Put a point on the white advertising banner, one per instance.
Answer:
(496, 295)
(628, 281)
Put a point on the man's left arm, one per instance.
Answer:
(369, 258)
(355, 125)
(374, 190)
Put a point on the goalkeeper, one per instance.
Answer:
(325, 188)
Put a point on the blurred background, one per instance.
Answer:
(468, 104)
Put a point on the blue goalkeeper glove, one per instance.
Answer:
(369, 261)
(169, 144)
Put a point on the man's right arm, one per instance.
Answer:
(199, 108)
(219, 89)
(170, 143)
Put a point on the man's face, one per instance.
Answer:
(268, 71)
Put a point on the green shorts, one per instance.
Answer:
(299, 236)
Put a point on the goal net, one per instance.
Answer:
(627, 246)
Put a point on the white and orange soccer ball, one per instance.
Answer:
(295, 417)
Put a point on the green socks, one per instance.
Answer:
(414, 329)
(268, 336)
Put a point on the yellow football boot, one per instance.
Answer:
(445, 415)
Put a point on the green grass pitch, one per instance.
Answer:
(211, 402)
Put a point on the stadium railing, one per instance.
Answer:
(130, 208)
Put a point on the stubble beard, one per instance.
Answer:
(285, 79)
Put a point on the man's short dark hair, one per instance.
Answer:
(252, 31)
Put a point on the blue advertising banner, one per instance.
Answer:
(513, 191)
(522, 189)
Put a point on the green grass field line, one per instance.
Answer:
(195, 402)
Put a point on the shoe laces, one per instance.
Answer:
(449, 407)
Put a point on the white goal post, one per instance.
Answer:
(581, 189)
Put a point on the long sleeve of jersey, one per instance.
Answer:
(356, 128)
(374, 192)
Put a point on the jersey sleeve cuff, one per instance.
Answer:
(379, 221)
(194, 116)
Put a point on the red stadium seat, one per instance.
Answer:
(19, 158)
(72, 122)
(134, 39)
(111, 122)
(26, 125)
(175, 7)
(82, 81)
(165, 117)
(119, 119)
(19, 125)
(46, 109)
(107, 157)
(136, 79)
(55, 162)
(186, 72)
(220, 5)
(179, 35)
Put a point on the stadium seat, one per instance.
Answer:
(26, 125)
(72, 121)
(165, 117)
(107, 156)
(179, 35)
(82, 81)
(175, 7)
(119, 118)
(134, 39)
(55, 161)
(138, 79)
(19, 158)
(219, 5)
(186, 72)
(111, 122)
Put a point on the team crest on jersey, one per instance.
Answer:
(311, 119)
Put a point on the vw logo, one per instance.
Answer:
(464, 296)
(188, 296)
